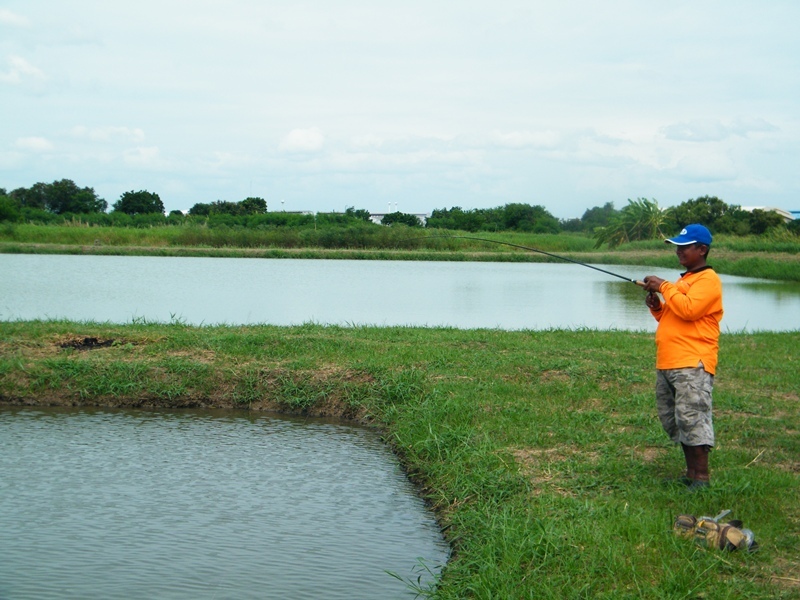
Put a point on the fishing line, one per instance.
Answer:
(557, 256)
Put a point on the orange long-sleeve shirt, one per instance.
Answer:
(688, 322)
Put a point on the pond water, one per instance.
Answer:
(204, 504)
(289, 292)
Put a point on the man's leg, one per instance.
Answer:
(688, 456)
(693, 404)
(665, 404)
(699, 460)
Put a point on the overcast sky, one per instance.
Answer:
(411, 106)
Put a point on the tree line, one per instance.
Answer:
(640, 219)
(643, 219)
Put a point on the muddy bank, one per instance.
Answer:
(328, 410)
(64, 367)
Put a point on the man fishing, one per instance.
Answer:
(687, 343)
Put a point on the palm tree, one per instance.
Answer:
(641, 219)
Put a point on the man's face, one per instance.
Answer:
(691, 256)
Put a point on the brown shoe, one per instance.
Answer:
(697, 457)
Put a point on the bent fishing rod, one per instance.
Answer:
(556, 256)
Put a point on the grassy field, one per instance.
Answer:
(540, 451)
(766, 257)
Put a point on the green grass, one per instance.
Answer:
(539, 451)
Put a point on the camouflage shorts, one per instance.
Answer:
(683, 399)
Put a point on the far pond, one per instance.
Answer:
(464, 295)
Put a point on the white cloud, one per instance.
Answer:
(412, 160)
(106, 134)
(523, 139)
(705, 167)
(303, 140)
(229, 160)
(368, 141)
(746, 126)
(20, 70)
(143, 157)
(34, 144)
(713, 130)
(9, 18)
(697, 131)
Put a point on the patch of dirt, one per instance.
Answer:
(736, 414)
(792, 466)
(88, 343)
(555, 375)
(530, 456)
(789, 578)
(591, 404)
(204, 357)
(541, 466)
(652, 453)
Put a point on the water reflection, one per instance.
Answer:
(782, 290)
(628, 300)
(202, 504)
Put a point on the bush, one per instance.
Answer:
(403, 218)
(9, 210)
(139, 203)
(60, 197)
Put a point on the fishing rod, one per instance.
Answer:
(557, 256)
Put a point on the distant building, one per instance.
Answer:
(787, 215)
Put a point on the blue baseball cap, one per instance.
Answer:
(691, 234)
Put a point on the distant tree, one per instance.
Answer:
(641, 219)
(225, 207)
(712, 212)
(60, 197)
(9, 208)
(760, 221)
(247, 207)
(33, 197)
(253, 206)
(176, 213)
(403, 218)
(573, 224)
(515, 216)
(456, 218)
(64, 196)
(705, 209)
(598, 216)
(201, 209)
(139, 203)
(360, 213)
(524, 217)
